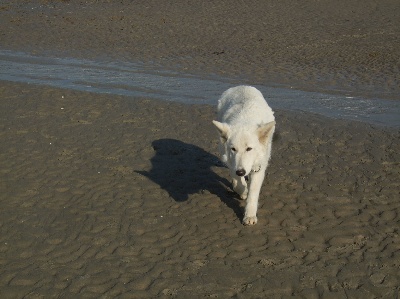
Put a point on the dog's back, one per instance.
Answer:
(242, 106)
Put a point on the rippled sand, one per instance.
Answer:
(111, 196)
(314, 45)
(107, 196)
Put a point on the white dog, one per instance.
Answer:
(246, 125)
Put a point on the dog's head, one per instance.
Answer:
(245, 149)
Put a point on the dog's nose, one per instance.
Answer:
(240, 172)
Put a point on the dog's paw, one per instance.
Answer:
(240, 190)
(250, 220)
(243, 195)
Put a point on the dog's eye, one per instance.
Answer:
(249, 149)
(233, 149)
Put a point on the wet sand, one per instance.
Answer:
(111, 196)
(317, 45)
(106, 196)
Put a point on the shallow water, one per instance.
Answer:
(144, 80)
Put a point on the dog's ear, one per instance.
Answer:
(223, 129)
(265, 130)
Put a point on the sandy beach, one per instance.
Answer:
(105, 196)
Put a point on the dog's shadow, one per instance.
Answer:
(183, 169)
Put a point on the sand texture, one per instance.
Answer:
(351, 46)
(106, 196)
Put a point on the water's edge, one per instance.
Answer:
(143, 80)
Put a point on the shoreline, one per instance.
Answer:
(143, 80)
(350, 49)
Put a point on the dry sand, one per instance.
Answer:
(105, 196)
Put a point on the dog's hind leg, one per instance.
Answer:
(255, 182)
(240, 186)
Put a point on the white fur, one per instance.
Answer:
(246, 125)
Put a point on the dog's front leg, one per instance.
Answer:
(255, 182)
(240, 186)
